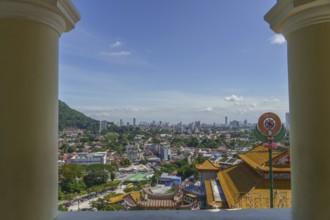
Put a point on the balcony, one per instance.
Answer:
(243, 214)
(29, 40)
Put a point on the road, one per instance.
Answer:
(86, 203)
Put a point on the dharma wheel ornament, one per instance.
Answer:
(270, 130)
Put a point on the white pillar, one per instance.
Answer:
(306, 26)
(29, 35)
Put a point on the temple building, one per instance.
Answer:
(210, 185)
(208, 170)
(147, 200)
(246, 185)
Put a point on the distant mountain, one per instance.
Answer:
(70, 118)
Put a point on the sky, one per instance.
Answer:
(174, 60)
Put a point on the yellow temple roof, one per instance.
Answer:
(210, 198)
(245, 188)
(208, 165)
(191, 195)
(136, 195)
(118, 198)
(258, 158)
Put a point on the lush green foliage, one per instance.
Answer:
(126, 162)
(96, 177)
(183, 168)
(112, 175)
(70, 118)
(62, 208)
(70, 178)
(77, 178)
(102, 206)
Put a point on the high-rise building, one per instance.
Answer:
(245, 123)
(287, 120)
(226, 120)
(103, 126)
(234, 124)
(165, 152)
(121, 122)
(134, 122)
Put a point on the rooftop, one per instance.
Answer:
(213, 195)
(245, 188)
(258, 158)
(208, 165)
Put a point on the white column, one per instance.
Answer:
(306, 27)
(29, 35)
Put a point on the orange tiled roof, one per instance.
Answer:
(208, 165)
(156, 203)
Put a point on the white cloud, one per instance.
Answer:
(233, 98)
(116, 44)
(271, 100)
(207, 109)
(277, 39)
(117, 54)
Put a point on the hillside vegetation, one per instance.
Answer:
(70, 118)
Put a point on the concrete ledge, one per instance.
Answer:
(243, 214)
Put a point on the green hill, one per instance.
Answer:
(70, 118)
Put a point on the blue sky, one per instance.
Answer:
(173, 60)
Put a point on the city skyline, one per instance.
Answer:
(135, 122)
(174, 61)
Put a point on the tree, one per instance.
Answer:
(200, 159)
(144, 161)
(112, 176)
(186, 171)
(110, 137)
(193, 142)
(126, 162)
(115, 165)
(62, 208)
(112, 207)
(97, 174)
(70, 178)
(155, 178)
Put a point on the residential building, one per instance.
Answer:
(133, 152)
(169, 180)
(165, 152)
(287, 121)
(89, 158)
(103, 126)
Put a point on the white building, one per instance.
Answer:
(133, 152)
(103, 125)
(165, 152)
(90, 158)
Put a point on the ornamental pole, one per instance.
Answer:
(270, 128)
